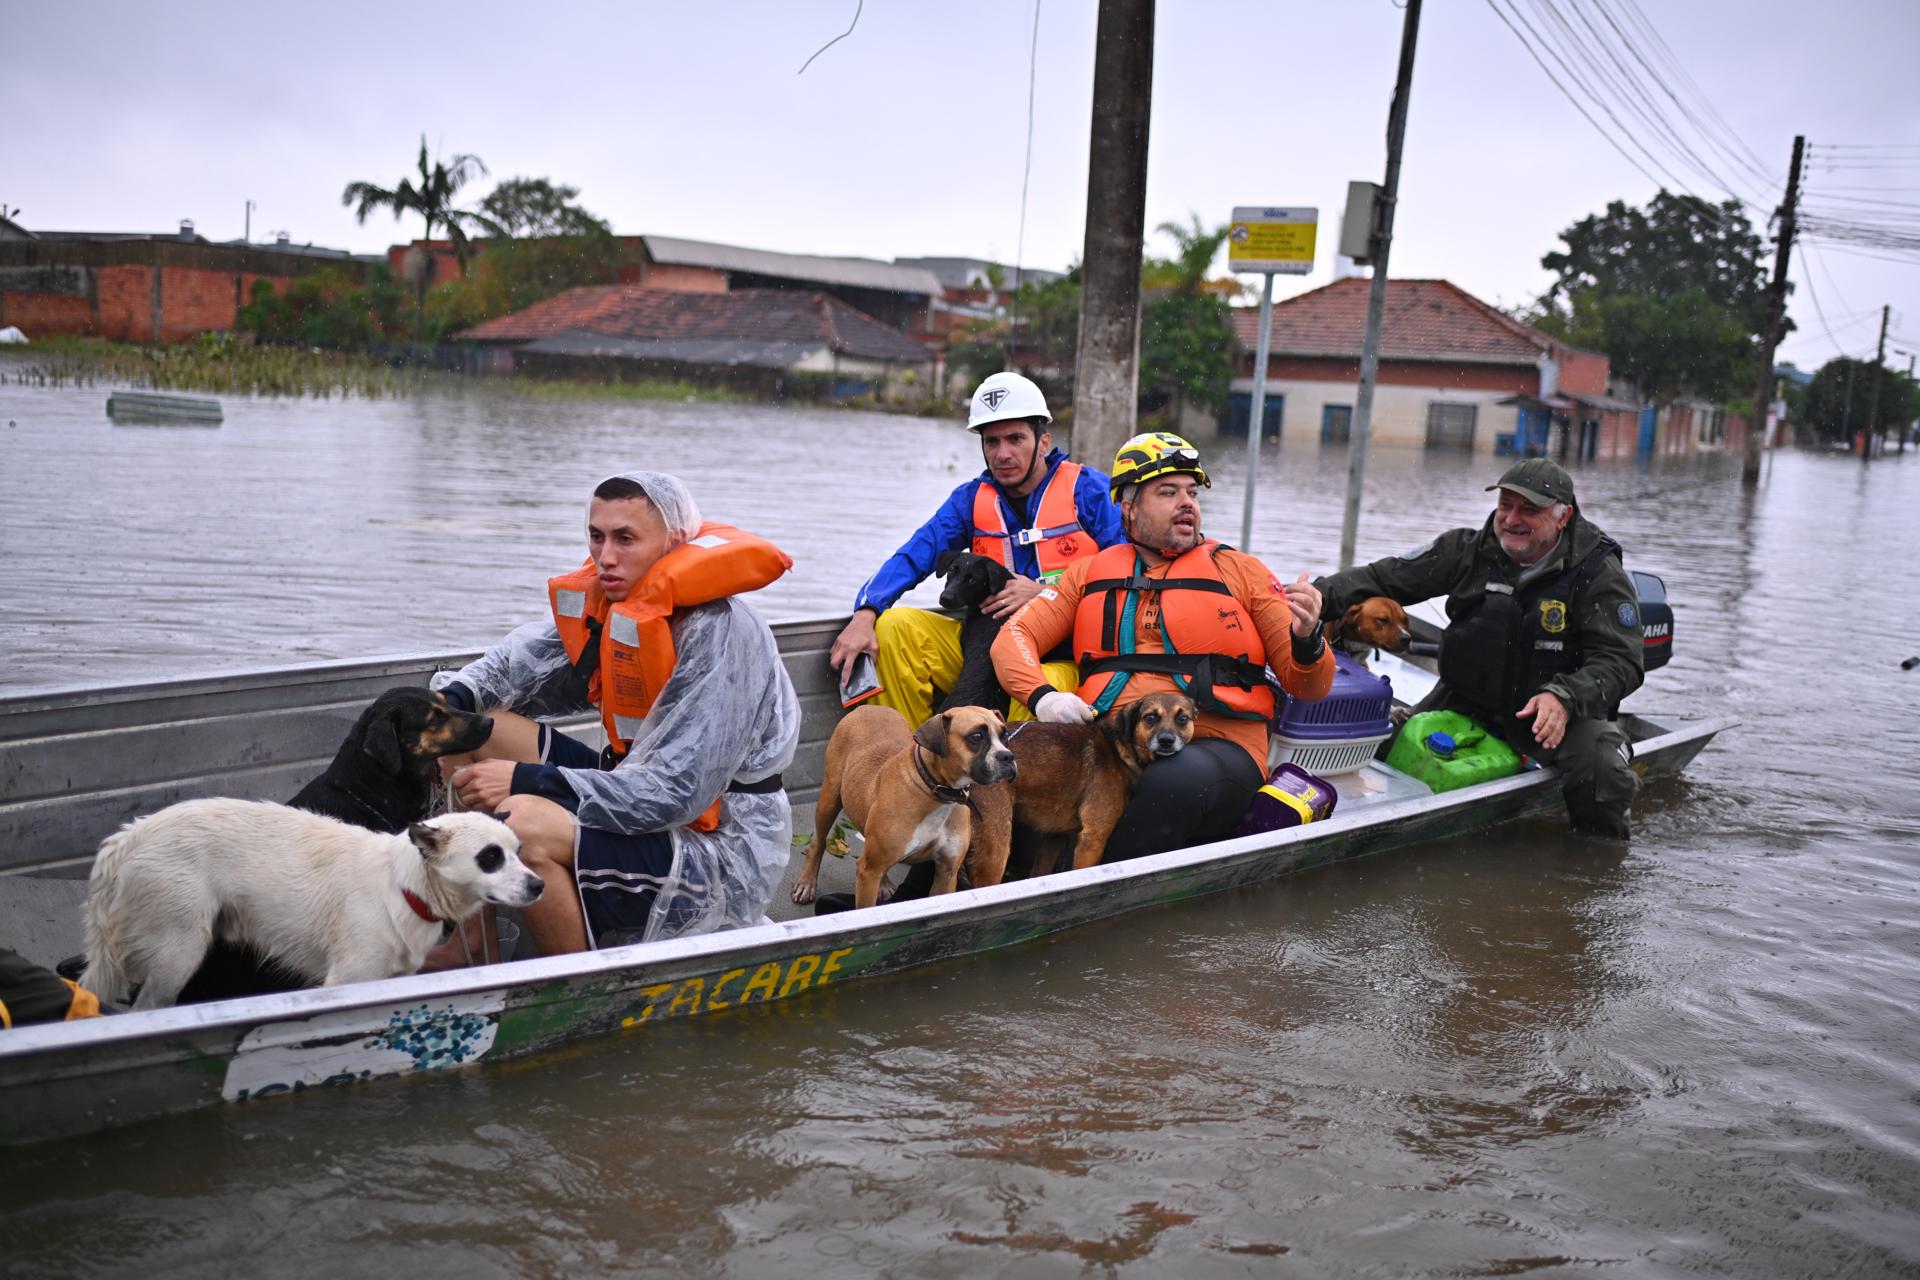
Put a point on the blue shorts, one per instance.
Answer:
(618, 875)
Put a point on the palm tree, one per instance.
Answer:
(432, 199)
(1195, 250)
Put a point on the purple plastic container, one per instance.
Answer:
(1358, 706)
(1291, 797)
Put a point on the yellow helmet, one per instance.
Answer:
(1150, 454)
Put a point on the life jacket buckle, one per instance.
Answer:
(1027, 537)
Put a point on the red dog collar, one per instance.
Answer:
(419, 907)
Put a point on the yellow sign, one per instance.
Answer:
(1278, 240)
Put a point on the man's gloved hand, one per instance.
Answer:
(1060, 707)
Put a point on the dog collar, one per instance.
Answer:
(420, 908)
(941, 791)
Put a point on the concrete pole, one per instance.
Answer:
(1770, 335)
(1873, 401)
(1105, 394)
(1377, 294)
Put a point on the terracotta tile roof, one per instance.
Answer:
(635, 315)
(1423, 320)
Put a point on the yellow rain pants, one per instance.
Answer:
(920, 652)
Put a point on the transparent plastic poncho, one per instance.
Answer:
(727, 714)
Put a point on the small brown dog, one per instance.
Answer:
(1378, 622)
(1075, 779)
(908, 792)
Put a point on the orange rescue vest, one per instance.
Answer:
(1213, 651)
(1057, 538)
(634, 656)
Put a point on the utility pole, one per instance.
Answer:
(247, 235)
(1873, 401)
(1383, 211)
(1770, 334)
(1105, 394)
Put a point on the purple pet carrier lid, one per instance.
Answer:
(1359, 705)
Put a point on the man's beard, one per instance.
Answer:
(1170, 542)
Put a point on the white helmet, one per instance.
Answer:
(1005, 396)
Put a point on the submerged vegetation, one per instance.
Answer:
(211, 362)
(224, 364)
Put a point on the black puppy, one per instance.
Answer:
(382, 778)
(971, 579)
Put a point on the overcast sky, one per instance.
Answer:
(908, 136)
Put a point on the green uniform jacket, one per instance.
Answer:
(1459, 563)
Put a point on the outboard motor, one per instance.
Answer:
(1656, 618)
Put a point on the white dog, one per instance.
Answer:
(332, 902)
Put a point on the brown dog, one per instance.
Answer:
(1075, 780)
(1378, 622)
(907, 791)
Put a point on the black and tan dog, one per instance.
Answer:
(382, 778)
(909, 792)
(384, 774)
(1075, 779)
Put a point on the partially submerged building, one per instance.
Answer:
(769, 341)
(1455, 373)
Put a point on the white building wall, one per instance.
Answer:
(1399, 412)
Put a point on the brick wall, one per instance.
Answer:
(1508, 379)
(125, 310)
(114, 290)
(684, 279)
(1584, 372)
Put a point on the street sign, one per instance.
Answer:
(1278, 240)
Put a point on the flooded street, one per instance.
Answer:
(1519, 1053)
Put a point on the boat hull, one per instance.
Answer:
(70, 1078)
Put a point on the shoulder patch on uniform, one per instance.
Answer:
(1628, 615)
(1048, 593)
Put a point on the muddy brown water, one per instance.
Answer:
(1517, 1053)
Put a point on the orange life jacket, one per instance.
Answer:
(1213, 652)
(633, 657)
(1057, 538)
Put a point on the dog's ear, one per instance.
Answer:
(945, 562)
(933, 734)
(381, 744)
(429, 840)
(1350, 619)
(998, 576)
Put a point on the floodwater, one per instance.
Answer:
(1519, 1053)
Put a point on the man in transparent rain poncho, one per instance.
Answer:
(678, 826)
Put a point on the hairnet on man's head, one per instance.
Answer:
(669, 496)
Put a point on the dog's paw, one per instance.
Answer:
(886, 893)
(804, 891)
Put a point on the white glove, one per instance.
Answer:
(1062, 708)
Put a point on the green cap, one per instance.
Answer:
(1540, 481)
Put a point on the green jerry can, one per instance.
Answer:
(1445, 749)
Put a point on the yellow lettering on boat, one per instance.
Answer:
(765, 980)
(689, 996)
(713, 997)
(652, 996)
(799, 974)
(832, 966)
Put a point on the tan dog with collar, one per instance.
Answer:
(908, 792)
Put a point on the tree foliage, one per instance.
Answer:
(1674, 294)
(327, 309)
(1186, 327)
(433, 199)
(1835, 408)
(543, 243)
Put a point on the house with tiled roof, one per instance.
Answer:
(1455, 373)
(751, 337)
